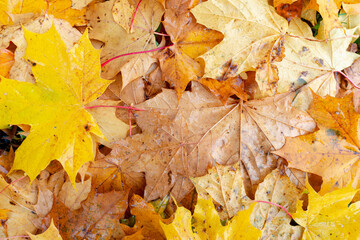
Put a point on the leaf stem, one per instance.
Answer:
(275, 204)
(351, 81)
(12, 183)
(133, 18)
(124, 107)
(132, 53)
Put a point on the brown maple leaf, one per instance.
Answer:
(182, 141)
(190, 39)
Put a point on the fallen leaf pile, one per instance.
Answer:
(179, 119)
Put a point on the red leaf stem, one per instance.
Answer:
(351, 81)
(133, 18)
(275, 204)
(12, 183)
(132, 53)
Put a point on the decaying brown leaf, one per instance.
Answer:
(176, 136)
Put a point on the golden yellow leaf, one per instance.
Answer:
(207, 224)
(61, 127)
(329, 216)
(51, 233)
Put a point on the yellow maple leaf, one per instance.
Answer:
(329, 216)
(207, 224)
(50, 233)
(54, 106)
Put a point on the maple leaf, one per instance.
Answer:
(176, 135)
(147, 221)
(312, 64)
(115, 38)
(331, 152)
(50, 233)
(207, 224)
(6, 62)
(223, 184)
(190, 39)
(11, 11)
(329, 216)
(98, 217)
(54, 106)
(253, 38)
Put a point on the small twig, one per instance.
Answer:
(12, 183)
(351, 81)
(133, 18)
(124, 107)
(127, 54)
(275, 204)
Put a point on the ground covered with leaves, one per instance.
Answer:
(179, 119)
